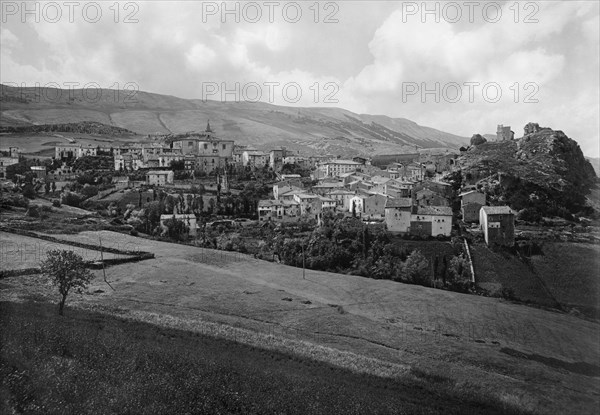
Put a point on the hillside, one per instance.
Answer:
(313, 130)
(461, 346)
(83, 127)
(544, 170)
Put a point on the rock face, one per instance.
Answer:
(544, 169)
(477, 139)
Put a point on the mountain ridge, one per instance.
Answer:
(317, 130)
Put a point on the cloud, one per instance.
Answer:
(369, 55)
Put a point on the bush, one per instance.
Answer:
(71, 199)
(46, 208)
(13, 200)
(89, 191)
(529, 215)
(133, 232)
(29, 191)
(56, 203)
(33, 211)
(507, 293)
(416, 269)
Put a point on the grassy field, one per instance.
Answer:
(93, 363)
(517, 357)
(565, 276)
(572, 274)
(19, 252)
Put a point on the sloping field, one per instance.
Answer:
(20, 252)
(540, 361)
(571, 272)
(504, 269)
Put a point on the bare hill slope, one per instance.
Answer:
(315, 130)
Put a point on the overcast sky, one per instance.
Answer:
(370, 57)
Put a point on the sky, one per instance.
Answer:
(461, 67)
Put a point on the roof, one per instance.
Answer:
(340, 192)
(292, 191)
(498, 210)
(425, 190)
(269, 203)
(469, 192)
(343, 175)
(354, 163)
(380, 179)
(306, 196)
(400, 202)
(442, 183)
(160, 172)
(434, 210)
(328, 185)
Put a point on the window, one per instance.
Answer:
(224, 146)
(190, 144)
(205, 146)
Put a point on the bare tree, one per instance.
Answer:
(67, 270)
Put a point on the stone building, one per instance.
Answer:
(504, 133)
(498, 225)
(470, 204)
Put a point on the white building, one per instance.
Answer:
(255, 158)
(335, 167)
(398, 214)
(159, 177)
(431, 221)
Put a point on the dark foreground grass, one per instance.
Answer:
(91, 363)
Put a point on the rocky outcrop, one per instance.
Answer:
(477, 139)
(544, 170)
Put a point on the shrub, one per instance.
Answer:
(507, 293)
(133, 232)
(529, 215)
(89, 190)
(71, 199)
(16, 200)
(33, 211)
(416, 269)
(29, 191)
(56, 203)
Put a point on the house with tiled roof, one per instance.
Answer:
(431, 221)
(470, 204)
(498, 225)
(398, 214)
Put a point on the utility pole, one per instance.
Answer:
(303, 267)
(102, 260)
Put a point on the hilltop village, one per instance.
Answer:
(405, 191)
(424, 217)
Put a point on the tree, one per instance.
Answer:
(29, 191)
(416, 269)
(67, 270)
(176, 228)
